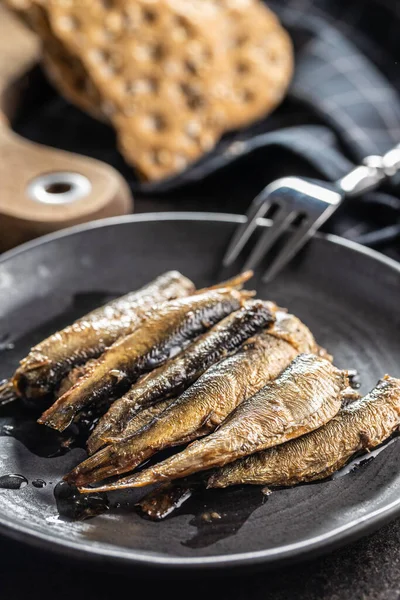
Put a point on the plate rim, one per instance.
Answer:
(184, 216)
(282, 554)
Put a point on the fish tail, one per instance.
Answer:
(109, 426)
(108, 466)
(61, 414)
(123, 457)
(58, 416)
(161, 432)
(100, 435)
(7, 392)
(99, 466)
(114, 459)
(94, 443)
(246, 294)
(146, 477)
(180, 465)
(121, 484)
(236, 282)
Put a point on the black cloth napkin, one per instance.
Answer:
(343, 104)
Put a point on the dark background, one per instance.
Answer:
(366, 570)
(369, 568)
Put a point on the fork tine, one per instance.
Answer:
(282, 220)
(257, 210)
(297, 240)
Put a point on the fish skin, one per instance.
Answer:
(146, 415)
(305, 396)
(166, 326)
(162, 501)
(7, 392)
(71, 378)
(177, 374)
(46, 364)
(203, 406)
(361, 425)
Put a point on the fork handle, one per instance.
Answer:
(371, 173)
(391, 161)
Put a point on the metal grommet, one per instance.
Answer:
(60, 187)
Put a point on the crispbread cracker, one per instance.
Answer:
(70, 77)
(156, 74)
(260, 62)
(65, 71)
(170, 75)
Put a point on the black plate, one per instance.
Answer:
(348, 295)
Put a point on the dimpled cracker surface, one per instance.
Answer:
(260, 62)
(68, 74)
(171, 75)
(156, 66)
(66, 71)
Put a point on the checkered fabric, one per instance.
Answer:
(338, 81)
(343, 104)
(347, 79)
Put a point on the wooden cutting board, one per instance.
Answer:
(43, 189)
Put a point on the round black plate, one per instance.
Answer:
(348, 295)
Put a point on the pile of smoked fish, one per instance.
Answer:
(238, 384)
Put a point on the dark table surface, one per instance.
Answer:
(366, 570)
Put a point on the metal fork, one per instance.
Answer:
(309, 202)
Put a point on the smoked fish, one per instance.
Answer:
(46, 364)
(162, 329)
(304, 397)
(177, 374)
(359, 426)
(201, 408)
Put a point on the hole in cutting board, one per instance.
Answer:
(58, 188)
